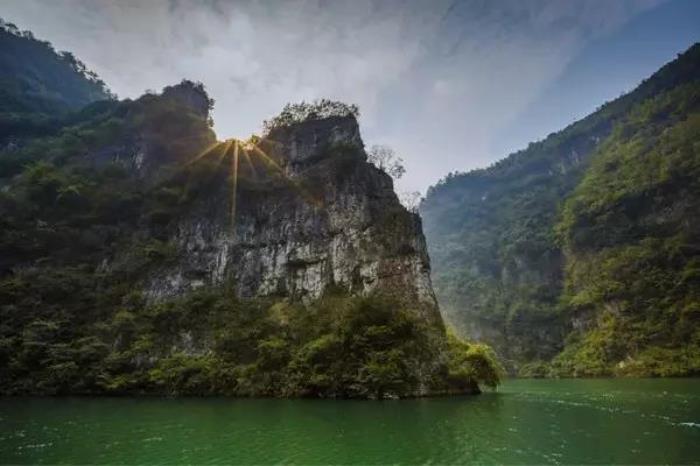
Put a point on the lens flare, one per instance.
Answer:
(207, 150)
(250, 150)
(301, 190)
(234, 183)
(246, 154)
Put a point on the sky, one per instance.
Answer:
(451, 85)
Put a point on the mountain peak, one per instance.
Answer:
(302, 143)
(192, 95)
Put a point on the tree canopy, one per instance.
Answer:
(318, 109)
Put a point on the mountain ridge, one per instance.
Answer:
(139, 255)
(499, 269)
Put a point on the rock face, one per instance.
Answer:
(172, 127)
(310, 213)
(131, 240)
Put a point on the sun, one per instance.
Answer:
(233, 149)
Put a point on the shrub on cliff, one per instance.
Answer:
(471, 363)
(316, 110)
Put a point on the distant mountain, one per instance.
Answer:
(40, 87)
(579, 255)
(36, 78)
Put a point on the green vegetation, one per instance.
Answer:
(88, 204)
(470, 362)
(37, 78)
(337, 347)
(209, 342)
(72, 325)
(629, 232)
(590, 229)
(304, 111)
(39, 86)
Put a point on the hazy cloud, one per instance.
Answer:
(436, 80)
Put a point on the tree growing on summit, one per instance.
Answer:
(385, 159)
(316, 110)
(410, 200)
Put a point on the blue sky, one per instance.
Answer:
(452, 85)
(604, 69)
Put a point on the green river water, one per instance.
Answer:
(525, 421)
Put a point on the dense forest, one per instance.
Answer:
(92, 189)
(578, 256)
(38, 85)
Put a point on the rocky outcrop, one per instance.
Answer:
(139, 255)
(171, 127)
(310, 213)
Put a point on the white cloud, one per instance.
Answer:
(436, 80)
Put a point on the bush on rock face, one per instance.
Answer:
(471, 364)
(304, 111)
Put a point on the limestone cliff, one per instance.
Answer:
(140, 255)
(159, 260)
(314, 214)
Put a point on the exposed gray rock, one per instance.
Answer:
(333, 219)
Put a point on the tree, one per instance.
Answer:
(318, 109)
(410, 200)
(385, 159)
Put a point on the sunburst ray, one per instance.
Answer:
(233, 147)
(250, 163)
(204, 152)
(305, 194)
(234, 184)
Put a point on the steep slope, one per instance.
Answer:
(138, 254)
(40, 88)
(34, 78)
(310, 213)
(631, 239)
(499, 267)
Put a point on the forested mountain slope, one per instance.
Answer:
(36, 78)
(40, 87)
(138, 254)
(533, 253)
